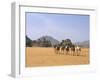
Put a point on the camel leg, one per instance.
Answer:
(77, 53)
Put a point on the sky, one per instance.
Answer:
(58, 26)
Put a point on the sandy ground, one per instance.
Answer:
(38, 56)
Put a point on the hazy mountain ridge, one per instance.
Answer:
(49, 38)
(83, 44)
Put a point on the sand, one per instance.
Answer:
(39, 56)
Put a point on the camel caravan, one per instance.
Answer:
(66, 47)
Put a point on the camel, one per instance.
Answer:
(57, 49)
(62, 49)
(73, 50)
(67, 49)
(78, 50)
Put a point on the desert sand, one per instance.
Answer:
(39, 56)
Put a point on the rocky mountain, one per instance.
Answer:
(52, 41)
(83, 44)
(49, 38)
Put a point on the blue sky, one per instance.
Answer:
(59, 26)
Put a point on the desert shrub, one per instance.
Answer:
(66, 42)
(28, 42)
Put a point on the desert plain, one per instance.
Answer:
(42, 56)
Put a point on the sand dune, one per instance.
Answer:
(38, 56)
